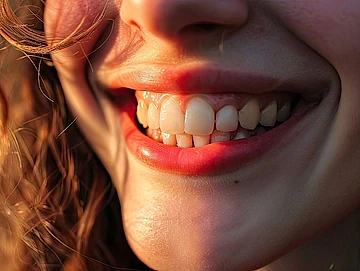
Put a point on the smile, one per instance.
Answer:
(206, 128)
(198, 120)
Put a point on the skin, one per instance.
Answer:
(293, 209)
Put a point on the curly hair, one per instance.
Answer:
(54, 193)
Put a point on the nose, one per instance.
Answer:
(174, 19)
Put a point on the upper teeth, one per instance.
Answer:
(171, 117)
(284, 112)
(227, 119)
(268, 115)
(171, 126)
(199, 118)
(249, 115)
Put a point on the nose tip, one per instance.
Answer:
(172, 19)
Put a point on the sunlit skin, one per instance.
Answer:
(275, 204)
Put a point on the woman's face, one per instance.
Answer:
(243, 202)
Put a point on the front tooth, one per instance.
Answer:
(284, 112)
(200, 141)
(227, 119)
(153, 116)
(199, 118)
(168, 139)
(268, 114)
(141, 113)
(218, 136)
(171, 117)
(249, 115)
(241, 134)
(184, 141)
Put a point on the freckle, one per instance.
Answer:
(236, 181)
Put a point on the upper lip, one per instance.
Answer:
(207, 79)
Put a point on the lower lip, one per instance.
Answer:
(217, 158)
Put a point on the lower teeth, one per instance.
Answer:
(188, 141)
(178, 136)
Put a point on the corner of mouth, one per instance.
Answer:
(184, 153)
(190, 124)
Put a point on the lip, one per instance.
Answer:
(188, 79)
(217, 158)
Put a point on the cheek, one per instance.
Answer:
(61, 18)
(70, 19)
(331, 28)
(66, 20)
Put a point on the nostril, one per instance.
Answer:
(192, 20)
(200, 28)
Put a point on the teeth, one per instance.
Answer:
(227, 119)
(249, 115)
(200, 141)
(199, 118)
(184, 140)
(154, 134)
(168, 139)
(218, 136)
(170, 126)
(171, 117)
(142, 113)
(268, 115)
(284, 112)
(241, 134)
(258, 131)
(153, 116)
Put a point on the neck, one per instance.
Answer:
(337, 249)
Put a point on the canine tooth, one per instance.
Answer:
(249, 115)
(268, 114)
(171, 117)
(153, 116)
(141, 113)
(184, 140)
(241, 134)
(218, 136)
(168, 139)
(200, 141)
(284, 112)
(199, 118)
(227, 119)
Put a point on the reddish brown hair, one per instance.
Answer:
(54, 193)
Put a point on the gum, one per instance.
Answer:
(218, 101)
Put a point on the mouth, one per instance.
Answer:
(186, 123)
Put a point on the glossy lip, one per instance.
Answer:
(215, 158)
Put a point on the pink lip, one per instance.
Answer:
(212, 159)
